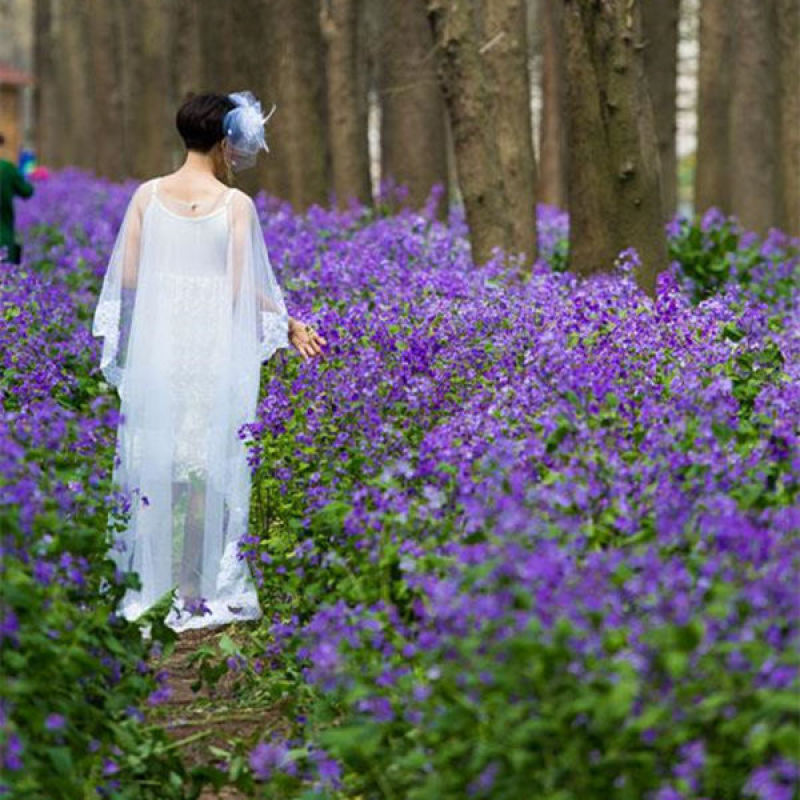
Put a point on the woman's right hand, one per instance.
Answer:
(305, 339)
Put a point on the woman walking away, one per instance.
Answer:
(189, 310)
(12, 184)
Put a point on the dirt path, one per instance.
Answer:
(210, 717)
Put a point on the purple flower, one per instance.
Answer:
(266, 757)
(11, 753)
(54, 722)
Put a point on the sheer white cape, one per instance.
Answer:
(189, 309)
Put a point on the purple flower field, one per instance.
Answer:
(513, 539)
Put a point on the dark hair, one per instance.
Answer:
(2, 139)
(199, 120)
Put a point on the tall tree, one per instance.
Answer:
(468, 101)
(187, 63)
(505, 60)
(49, 103)
(753, 116)
(106, 66)
(299, 162)
(249, 69)
(713, 163)
(613, 166)
(74, 80)
(553, 129)
(148, 108)
(660, 29)
(789, 55)
(347, 101)
(412, 109)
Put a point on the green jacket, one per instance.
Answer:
(11, 183)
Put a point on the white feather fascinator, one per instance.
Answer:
(244, 130)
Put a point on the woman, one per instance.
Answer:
(189, 310)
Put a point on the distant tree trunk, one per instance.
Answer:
(217, 55)
(187, 61)
(149, 115)
(106, 66)
(553, 129)
(660, 29)
(74, 79)
(755, 177)
(789, 53)
(347, 101)
(468, 101)
(249, 20)
(613, 167)
(49, 103)
(297, 167)
(713, 163)
(413, 128)
(505, 60)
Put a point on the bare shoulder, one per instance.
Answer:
(240, 197)
(242, 204)
(143, 192)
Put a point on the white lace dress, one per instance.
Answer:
(189, 309)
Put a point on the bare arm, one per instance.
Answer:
(130, 256)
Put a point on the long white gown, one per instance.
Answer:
(189, 309)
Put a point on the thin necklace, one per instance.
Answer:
(193, 204)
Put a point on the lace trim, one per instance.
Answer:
(106, 324)
(274, 334)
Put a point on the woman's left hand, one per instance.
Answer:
(305, 339)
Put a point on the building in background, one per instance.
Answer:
(16, 55)
(14, 84)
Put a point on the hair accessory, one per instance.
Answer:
(243, 127)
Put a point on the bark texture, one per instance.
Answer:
(148, 107)
(347, 101)
(755, 177)
(46, 99)
(613, 166)
(660, 30)
(505, 58)
(299, 162)
(468, 101)
(712, 175)
(72, 69)
(789, 53)
(413, 135)
(106, 64)
(553, 129)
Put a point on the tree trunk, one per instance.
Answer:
(713, 164)
(47, 101)
(149, 112)
(249, 70)
(187, 59)
(660, 29)
(505, 60)
(553, 129)
(789, 53)
(755, 180)
(413, 133)
(298, 165)
(106, 65)
(73, 73)
(347, 101)
(613, 166)
(216, 36)
(468, 101)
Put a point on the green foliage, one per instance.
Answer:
(74, 674)
(714, 251)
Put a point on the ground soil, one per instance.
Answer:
(215, 716)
